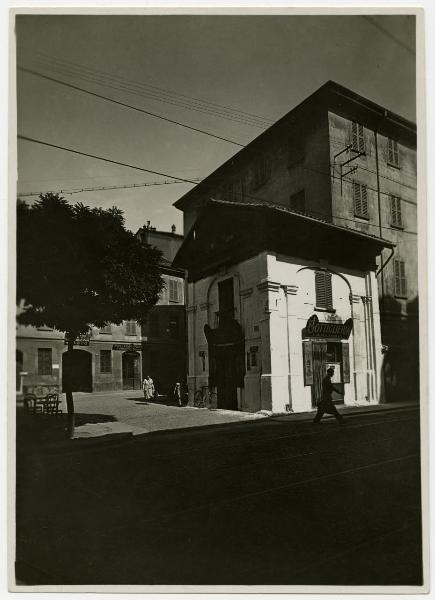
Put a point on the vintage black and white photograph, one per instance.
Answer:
(217, 227)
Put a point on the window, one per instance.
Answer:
(226, 300)
(174, 290)
(323, 290)
(360, 200)
(297, 201)
(396, 212)
(400, 288)
(174, 326)
(44, 361)
(357, 138)
(262, 171)
(393, 153)
(105, 361)
(130, 328)
(106, 329)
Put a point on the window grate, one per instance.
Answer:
(45, 363)
(105, 361)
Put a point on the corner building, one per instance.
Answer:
(344, 159)
(273, 301)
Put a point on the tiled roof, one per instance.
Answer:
(279, 208)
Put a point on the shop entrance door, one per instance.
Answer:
(130, 371)
(319, 371)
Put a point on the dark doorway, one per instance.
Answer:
(131, 371)
(77, 371)
(226, 379)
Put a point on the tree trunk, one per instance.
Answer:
(69, 396)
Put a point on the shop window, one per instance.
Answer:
(357, 137)
(297, 201)
(393, 153)
(130, 328)
(400, 286)
(105, 361)
(396, 212)
(45, 362)
(360, 203)
(323, 286)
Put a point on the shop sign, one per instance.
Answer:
(316, 329)
(81, 340)
(131, 347)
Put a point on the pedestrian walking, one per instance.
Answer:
(148, 388)
(177, 394)
(326, 405)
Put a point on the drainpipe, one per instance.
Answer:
(379, 211)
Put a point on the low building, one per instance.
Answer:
(273, 299)
(116, 357)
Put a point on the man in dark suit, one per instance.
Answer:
(326, 405)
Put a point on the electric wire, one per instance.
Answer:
(138, 91)
(243, 194)
(80, 68)
(124, 105)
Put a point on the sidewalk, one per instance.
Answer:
(116, 415)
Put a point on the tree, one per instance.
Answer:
(78, 267)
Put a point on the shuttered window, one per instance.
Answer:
(174, 290)
(105, 361)
(400, 287)
(297, 201)
(323, 290)
(393, 152)
(396, 211)
(45, 363)
(360, 205)
(130, 328)
(357, 137)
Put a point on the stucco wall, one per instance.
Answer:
(274, 297)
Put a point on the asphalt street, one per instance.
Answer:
(263, 502)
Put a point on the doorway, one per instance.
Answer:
(77, 371)
(131, 371)
(327, 354)
(226, 379)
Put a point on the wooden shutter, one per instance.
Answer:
(400, 285)
(396, 211)
(360, 201)
(357, 137)
(323, 289)
(393, 152)
(307, 351)
(346, 362)
(364, 205)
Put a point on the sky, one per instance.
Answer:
(192, 69)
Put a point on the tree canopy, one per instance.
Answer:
(78, 266)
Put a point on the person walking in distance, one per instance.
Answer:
(326, 405)
(177, 394)
(148, 388)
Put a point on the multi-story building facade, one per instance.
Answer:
(344, 159)
(115, 357)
